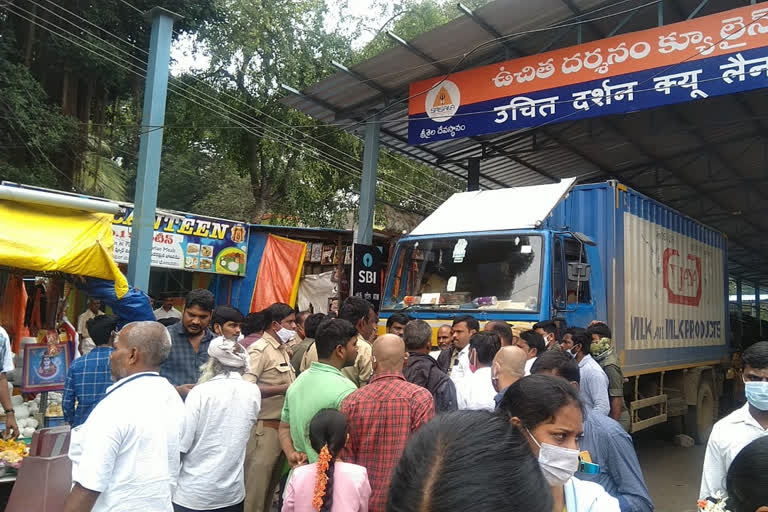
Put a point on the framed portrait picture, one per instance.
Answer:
(317, 252)
(327, 258)
(45, 367)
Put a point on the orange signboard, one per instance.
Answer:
(723, 33)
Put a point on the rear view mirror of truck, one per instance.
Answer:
(579, 271)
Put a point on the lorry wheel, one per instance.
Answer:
(700, 418)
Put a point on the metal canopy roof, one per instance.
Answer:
(708, 159)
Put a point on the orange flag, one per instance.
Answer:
(279, 272)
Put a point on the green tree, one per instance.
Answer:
(82, 55)
(32, 130)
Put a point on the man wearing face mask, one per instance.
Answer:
(271, 370)
(744, 425)
(508, 367)
(594, 381)
(475, 391)
(548, 331)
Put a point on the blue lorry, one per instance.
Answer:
(578, 253)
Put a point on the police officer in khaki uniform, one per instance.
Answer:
(360, 313)
(271, 370)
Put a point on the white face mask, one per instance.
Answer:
(557, 463)
(285, 335)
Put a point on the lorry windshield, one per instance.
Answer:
(465, 272)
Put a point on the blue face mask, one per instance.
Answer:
(757, 394)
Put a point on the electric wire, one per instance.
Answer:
(275, 137)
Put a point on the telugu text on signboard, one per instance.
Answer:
(724, 53)
(191, 243)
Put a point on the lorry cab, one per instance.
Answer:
(466, 258)
(518, 276)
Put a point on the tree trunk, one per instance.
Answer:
(29, 44)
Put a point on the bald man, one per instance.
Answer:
(131, 439)
(387, 404)
(508, 367)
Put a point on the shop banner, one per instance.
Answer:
(367, 265)
(188, 242)
(724, 53)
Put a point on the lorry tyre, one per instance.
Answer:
(701, 417)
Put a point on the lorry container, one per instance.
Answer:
(578, 253)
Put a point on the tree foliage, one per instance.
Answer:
(232, 148)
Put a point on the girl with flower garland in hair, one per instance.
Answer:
(328, 485)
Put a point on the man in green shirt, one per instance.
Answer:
(322, 386)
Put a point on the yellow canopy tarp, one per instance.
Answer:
(48, 239)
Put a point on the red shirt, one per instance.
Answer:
(382, 416)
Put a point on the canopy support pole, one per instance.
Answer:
(473, 176)
(758, 310)
(364, 232)
(150, 147)
(739, 311)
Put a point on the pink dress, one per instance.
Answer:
(351, 490)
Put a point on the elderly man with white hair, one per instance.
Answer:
(125, 457)
(220, 412)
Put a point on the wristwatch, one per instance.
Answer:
(10, 411)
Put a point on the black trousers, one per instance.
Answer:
(231, 508)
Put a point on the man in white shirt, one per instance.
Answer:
(455, 360)
(94, 310)
(167, 310)
(125, 457)
(220, 412)
(475, 391)
(533, 345)
(741, 427)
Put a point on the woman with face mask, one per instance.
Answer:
(547, 411)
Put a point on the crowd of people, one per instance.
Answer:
(220, 411)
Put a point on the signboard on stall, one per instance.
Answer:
(367, 264)
(724, 53)
(188, 242)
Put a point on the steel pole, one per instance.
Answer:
(150, 147)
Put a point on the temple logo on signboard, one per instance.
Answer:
(443, 101)
(443, 98)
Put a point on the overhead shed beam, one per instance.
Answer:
(408, 46)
